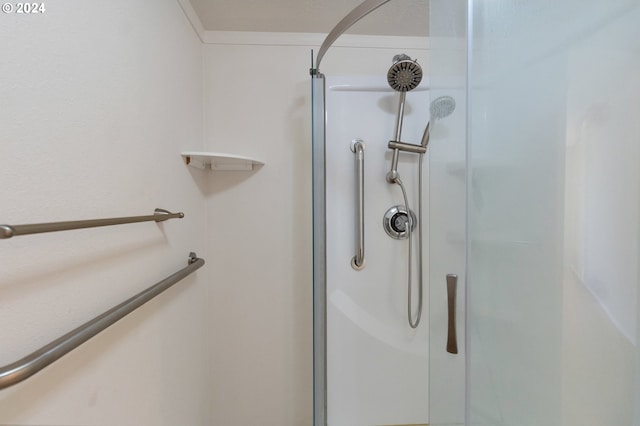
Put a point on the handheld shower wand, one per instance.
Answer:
(440, 108)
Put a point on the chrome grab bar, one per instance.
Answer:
(358, 261)
(452, 340)
(36, 361)
(8, 231)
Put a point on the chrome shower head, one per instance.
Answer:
(405, 74)
(442, 107)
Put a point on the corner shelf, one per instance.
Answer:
(219, 161)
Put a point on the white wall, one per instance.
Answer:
(257, 103)
(260, 301)
(97, 101)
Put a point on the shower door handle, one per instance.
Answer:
(358, 262)
(452, 340)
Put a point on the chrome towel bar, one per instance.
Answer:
(36, 361)
(8, 231)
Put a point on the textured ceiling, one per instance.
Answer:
(402, 18)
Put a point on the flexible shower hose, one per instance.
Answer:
(412, 323)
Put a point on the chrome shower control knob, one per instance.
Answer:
(395, 222)
(399, 222)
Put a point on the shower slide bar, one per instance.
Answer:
(159, 215)
(31, 364)
(358, 261)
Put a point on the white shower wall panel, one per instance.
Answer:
(377, 366)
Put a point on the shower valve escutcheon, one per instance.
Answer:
(396, 222)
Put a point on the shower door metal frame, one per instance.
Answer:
(319, 252)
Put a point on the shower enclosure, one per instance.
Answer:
(531, 193)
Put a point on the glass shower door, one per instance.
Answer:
(553, 212)
(447, 214)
